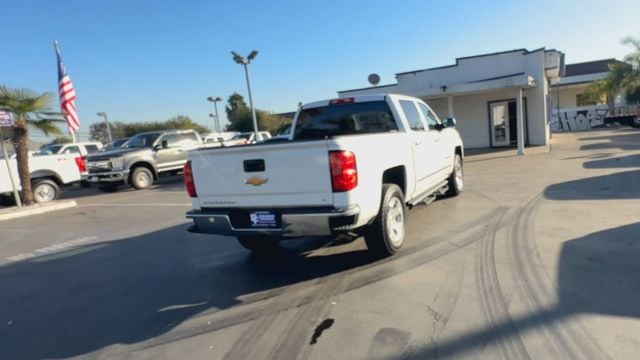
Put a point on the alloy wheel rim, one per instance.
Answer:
(44, 193)
(143, 179)
(395, 222)
(458, 174)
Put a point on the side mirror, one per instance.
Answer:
(450, 122)
(165, 144)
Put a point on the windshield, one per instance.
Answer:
(141, 141)
(345, 119)
(49, 150)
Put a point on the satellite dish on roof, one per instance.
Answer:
(374, 79)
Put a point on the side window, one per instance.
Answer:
(91, 148)
(410, 111)
(432, 119)
(71, 150)
(171, 139)
(188, 139)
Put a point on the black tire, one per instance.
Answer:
(385, 235)
(45, 190)
(141, 178)
(7, 200)
(109, 188)
(259, 244)
(456, 184)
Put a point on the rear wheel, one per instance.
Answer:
(259, 243)
(141, 178)
(45, 190)
(386, 234)
(455, 180)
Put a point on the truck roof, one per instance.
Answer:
(356, 99)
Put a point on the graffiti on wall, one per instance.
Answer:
(578, 119)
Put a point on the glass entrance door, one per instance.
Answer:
(500, 133)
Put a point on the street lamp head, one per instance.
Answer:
(218, 99)
(237, 58)
(210, 98)
(211, 115)
(252, 55)
(101, 114)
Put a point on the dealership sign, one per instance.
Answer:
(6, 118)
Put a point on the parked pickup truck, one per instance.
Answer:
(48, 174)
(141, 160)
(352, 165)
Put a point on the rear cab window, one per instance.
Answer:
(91, 148)
(345, 119)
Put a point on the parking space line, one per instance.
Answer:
(51, 249)
(134, 205)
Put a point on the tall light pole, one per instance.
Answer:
(104, 115)
(215, 106)
(240, 60)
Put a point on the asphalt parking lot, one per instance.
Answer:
(538, 258)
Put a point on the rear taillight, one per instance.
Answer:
(81, 165)
(189, 185)
(344, 175)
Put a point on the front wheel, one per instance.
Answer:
(455, 180)
(45, 190)
(141, 178)
(259, 244)
(385, 235)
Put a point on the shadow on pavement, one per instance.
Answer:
(598, 274)
(628, 140)
(621, 185)
(130, 290)
(168, 183)
(616, 162)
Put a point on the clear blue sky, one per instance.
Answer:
(142, 60)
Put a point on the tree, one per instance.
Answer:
(30, 110)
(98, 131)
(59, 140)
(609, 87)
(240, 119)
(622, 77)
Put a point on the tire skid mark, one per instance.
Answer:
(444, 303)
(494, 305)
(570, 339)
(273, 302)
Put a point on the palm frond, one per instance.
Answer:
(47, 126)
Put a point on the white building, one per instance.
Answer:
(485, 94)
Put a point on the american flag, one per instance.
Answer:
(67, 95)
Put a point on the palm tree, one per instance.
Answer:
(30, 110)
(622, 77)
(609, 87)
(633, 59)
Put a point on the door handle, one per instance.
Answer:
(417, 143)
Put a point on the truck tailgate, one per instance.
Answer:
(290, 174)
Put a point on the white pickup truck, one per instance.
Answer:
(352, 165)
(48, 174)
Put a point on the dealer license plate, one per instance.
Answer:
(263, 219)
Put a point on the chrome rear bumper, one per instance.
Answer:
(294, 222)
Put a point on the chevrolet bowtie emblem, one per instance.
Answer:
(256, 181)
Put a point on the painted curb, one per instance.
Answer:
(38, 209)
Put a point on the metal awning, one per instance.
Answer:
(520, 81)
